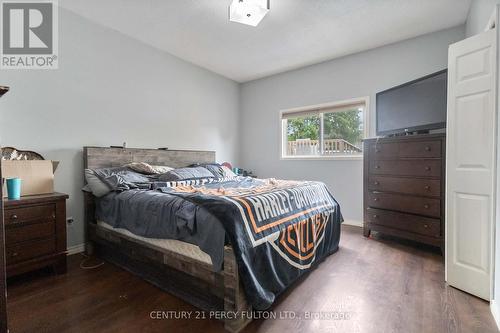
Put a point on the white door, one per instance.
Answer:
(470, 163)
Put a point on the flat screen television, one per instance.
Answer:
(416, 106)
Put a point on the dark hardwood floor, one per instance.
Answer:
(380, 285)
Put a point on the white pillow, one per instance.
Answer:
(149, 169)
(228, 173)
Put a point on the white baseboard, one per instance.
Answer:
(353, 222)
(76, 249)
(495, 311)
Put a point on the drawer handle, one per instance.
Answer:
(13, 217)
(427, 148)
(377, 166)
(426, 226)
(426, 206)
(428, 168)
(428, 188)
(15, 254)
(375, 216)
(375, 199)
(376, 183)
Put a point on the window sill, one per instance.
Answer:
(322, 158)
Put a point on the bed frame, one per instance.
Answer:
(187, 278)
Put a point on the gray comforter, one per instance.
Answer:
(154, 214)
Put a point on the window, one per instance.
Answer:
(328, 130)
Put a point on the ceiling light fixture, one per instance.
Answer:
(249, 12)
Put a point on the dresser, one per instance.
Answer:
(404, 187)
(35, 233)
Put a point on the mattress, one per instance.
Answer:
(172, 245)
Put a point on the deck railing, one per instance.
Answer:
(305, 147)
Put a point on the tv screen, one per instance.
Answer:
(414, 106)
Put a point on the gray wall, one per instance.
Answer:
(358, 75)
(479, 14)
(109, 89)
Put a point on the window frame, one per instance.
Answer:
(318, 107)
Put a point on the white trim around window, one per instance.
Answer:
(322, 108)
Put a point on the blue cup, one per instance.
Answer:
(14, 188)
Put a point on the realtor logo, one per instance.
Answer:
(29, 35)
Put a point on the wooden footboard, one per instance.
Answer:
(234, 296)
(189, 279)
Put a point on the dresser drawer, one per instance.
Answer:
(29, 250)
(405, 203)
(424, 149)
(423, 187)
(415, 149)
(384, 150)
(406, 222)
(16, 233)
(31, 214)
(419, 168)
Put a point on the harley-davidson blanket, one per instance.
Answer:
(278, 229)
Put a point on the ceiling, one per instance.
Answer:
(295, 33)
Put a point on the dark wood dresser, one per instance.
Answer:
(35, 233)
(404, 187)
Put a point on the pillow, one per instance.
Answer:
(219, 171)
(228, 173)
(215, 169)
(95, 185)
(160, 169)
(186, 174)
(120, 178)
(148, 169)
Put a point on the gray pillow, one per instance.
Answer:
(186, 174)
(219, 171)
(215, 169)
(95, 185)
(120, 178)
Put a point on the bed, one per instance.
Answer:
(267, 245)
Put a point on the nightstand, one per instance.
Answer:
(35, 233)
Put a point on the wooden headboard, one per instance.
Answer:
(105, 157)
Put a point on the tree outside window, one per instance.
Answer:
(333, 131)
